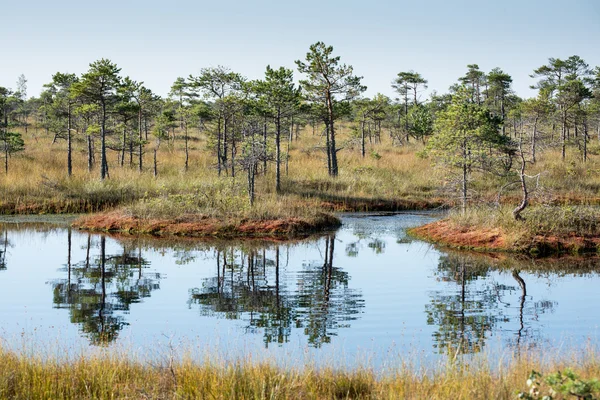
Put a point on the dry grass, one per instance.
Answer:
(388, 178)
(545, 230)
(200, 225)
(37, 180)
(113, 376)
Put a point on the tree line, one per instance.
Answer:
(480, 124)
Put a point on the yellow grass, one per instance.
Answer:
(37, 180)
(111, 376)
(389, 177)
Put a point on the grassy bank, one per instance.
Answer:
(111, 377)
(198, 202)
(545, 230)
(212, 216)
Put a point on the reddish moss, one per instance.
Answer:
(494, 239)
(446, 233)
(199, 226)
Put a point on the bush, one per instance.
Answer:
(565, 384)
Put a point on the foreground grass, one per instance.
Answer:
(544, 230)
(113, 376)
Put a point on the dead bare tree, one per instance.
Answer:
(253, 154)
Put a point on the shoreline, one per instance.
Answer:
(327, 203)
(482, 239)
(444, 232)
(200, 226)
(118, 376)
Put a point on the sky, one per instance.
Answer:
(158, 41)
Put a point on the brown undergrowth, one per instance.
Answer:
(52, 206)
(446, 233)
(194, 225)
(545, 231)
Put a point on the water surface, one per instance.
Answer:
(366, 294)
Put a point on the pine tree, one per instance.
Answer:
(329, 82)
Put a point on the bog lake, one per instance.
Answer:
(365, 295)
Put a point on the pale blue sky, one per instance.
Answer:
(157, 41)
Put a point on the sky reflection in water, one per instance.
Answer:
(364, 294)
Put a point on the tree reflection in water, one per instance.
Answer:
(4, 245)
(247, 286)
(465, 316)
(468, 315)
(325, 303)
(98, 292)
(477, 296)
(253, 288)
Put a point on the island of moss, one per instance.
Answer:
(544, 230)
(191, 217)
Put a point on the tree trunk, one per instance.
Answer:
(6, 152)
(278, 152)
(327, 147)
(585, 139)
(533, 139)
(187, 154)
(465, 171)
(251, 176)
(90, 153)
(5, 137)
(141, 155)
(224, 152)
(124, 145)
(131, 151)
(69, 159)
(233, 149)
(362, 137)
(502, 114)
(104, 165)
(406, 113)
(265, 146)
(155, 165)
(563, 134)
(219, 145)
(464, 189)
(525, 200)
(333, 150)
(287, 158)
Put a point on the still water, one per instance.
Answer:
(365, 294)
